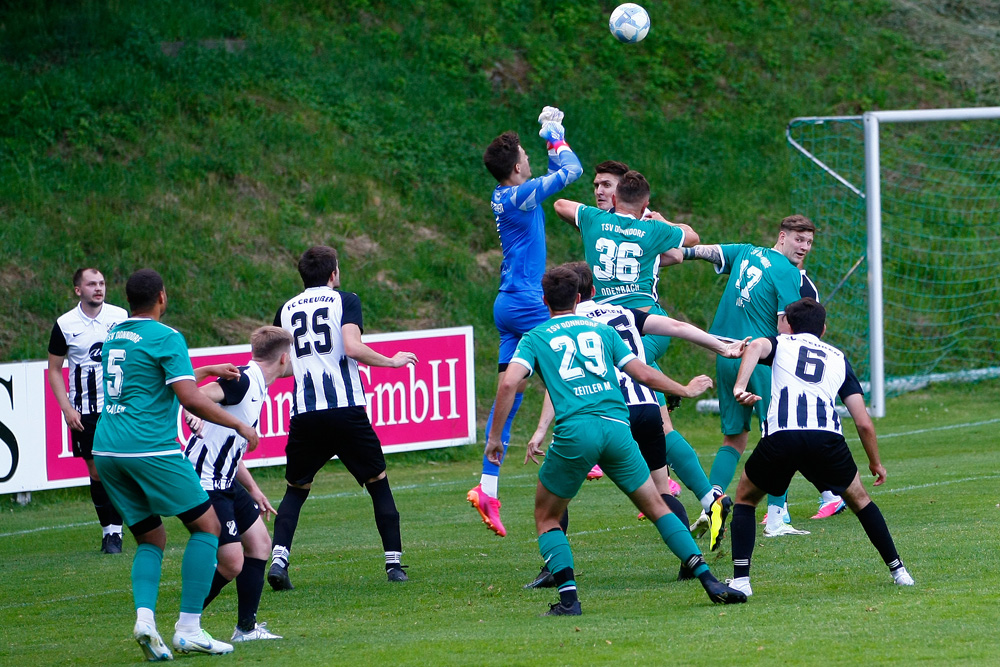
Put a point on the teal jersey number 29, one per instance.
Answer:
(576, 358)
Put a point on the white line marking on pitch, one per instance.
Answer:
(407, 487)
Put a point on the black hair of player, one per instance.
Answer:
(561, 287)
(797, 223)
(586, 278)
(317, 265)
(502, 154)
(143, 289)
(78, 275)
(633, 189)
(614, 167)
(806, 316)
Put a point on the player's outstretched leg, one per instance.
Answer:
(284, 530)
(146, 570)
(544, 578)
(485, 496)
(678, 539)
(875, 527)
(197, 571)
(387, 522)
(555, 551)
(743, 535)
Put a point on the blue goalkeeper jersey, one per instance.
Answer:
(521, 222)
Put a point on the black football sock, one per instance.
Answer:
(878, 532)
(288, 518)
(107, 515)
(218, 583)
(677, 507)
(386, 516)
(249, 584)
(743, 533)
(566, 582)
(564, 520)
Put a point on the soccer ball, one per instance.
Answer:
(629, 23)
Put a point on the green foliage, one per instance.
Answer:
(131, 135)
(816, 596)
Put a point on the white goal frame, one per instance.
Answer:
(872, 194)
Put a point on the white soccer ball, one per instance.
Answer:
(629, 23)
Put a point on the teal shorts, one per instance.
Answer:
(579, 445)
(144, 486)
(735, 418)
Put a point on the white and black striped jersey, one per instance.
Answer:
(807, 375)
(215, 453)
(81, 339)
(325, 377)
(628, 322)
(808, 288)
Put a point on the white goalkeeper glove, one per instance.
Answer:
(550, 113)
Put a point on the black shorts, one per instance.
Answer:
(822, 457)
(316, 437)
(83, 441)
(236, 511)
(647, 430)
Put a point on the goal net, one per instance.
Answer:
(907, 256)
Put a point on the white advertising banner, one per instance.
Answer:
(425, 406)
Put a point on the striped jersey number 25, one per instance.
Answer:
(322, 341)
(590, 345)
(619, 261)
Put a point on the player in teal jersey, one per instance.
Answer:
(147, 371)
(623, 245)
(576, 357)
(762, 281)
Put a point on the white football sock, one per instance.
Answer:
(707, 500)
(489, 484)
(775, 517)
(829, 497)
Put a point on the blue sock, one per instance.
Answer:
(490, 468)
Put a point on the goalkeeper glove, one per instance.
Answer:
(550, 113)
(554, 134)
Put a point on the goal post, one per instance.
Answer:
(930, 199)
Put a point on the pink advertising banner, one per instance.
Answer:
(425, 406)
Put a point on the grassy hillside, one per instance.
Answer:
(131, 136)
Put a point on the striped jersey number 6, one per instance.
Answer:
(116, 377)
(618, 261)
(590, 345)
(752, 275)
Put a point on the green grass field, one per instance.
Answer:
(818, 599)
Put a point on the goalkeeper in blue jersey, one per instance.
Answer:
(517, 205)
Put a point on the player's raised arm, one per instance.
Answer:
(566, 209)
(756, 350)
(202, 406)
(656, 380)
(691, 237)
(225, 371)
(357, 350)
(668, 326)
(709, 253)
